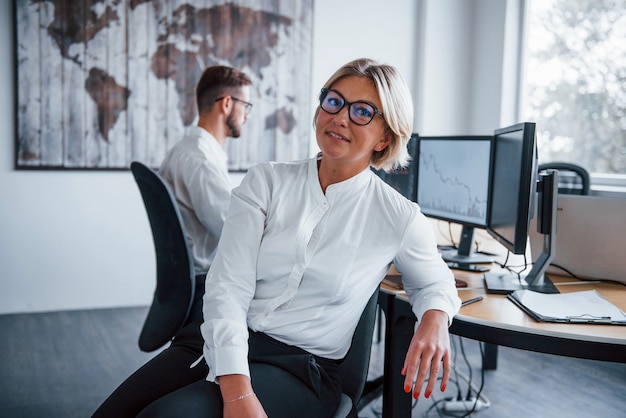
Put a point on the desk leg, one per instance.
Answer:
(491, 356)
(400, 324)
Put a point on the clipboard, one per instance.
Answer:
(586, 307)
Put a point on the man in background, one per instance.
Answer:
(196, 167)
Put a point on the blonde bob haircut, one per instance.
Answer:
(397, 108)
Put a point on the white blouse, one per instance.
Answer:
(300, 265)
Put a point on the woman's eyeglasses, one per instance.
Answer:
(247, 106)
(361, 113)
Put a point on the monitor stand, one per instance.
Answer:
(465, 253)
(536, 279)
(507, 283)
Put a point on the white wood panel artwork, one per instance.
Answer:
(101, 83)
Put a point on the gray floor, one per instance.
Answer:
(63, 364)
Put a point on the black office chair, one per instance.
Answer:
(355, 366)
(573, 178)
(175, 280)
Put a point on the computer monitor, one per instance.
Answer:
(403, 179)
(453, 185)
(513, 175)
(536, 279)
(513, 190)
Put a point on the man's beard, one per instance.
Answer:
(234, 131)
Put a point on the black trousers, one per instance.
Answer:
(287, 380)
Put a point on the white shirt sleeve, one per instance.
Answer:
(426, 278)
(231, 280)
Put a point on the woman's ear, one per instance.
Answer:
(382, 144)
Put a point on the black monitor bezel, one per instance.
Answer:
(526, 187)
(451, 218)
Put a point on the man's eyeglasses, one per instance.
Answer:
(247, 105)
(361, 113)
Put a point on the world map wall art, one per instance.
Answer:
(102, 83)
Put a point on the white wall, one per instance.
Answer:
(460, 67)
(74, 240)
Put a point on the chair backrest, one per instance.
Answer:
(355, 366)
(573, 178)
(175, 281)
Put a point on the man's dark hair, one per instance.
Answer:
(218, 81)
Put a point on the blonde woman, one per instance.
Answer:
(304, 245)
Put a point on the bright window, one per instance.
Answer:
(575, 83)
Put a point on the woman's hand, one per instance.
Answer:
(239, 398)
(429, 348)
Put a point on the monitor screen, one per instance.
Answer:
(453, 178)
(453, 185)
(513, 185)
